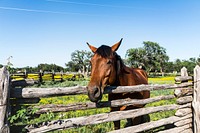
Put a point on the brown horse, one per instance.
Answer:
(109, 69)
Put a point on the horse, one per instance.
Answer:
(108, 69)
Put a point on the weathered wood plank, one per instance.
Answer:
(22, 83)
(179, 129)
(24, 101)
(4, 100)
(182, 112)
(183, 78)
(91, 105)
(46, 92)
(183, 122)
(99, 118)
(184, 100)
(151, 125)
(180, 92)
(196, 99)
(189, 130)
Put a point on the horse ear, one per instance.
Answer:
(116, 46)
(92, 47)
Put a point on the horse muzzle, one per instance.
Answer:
(94, 94)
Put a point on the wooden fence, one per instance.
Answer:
(185, 120)
(41, 76)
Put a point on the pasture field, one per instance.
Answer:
(24, 115)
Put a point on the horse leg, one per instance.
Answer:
(137, 120)
(141, 119)
(145, 118)
(116, 124)
(110, 98)
(129, 122)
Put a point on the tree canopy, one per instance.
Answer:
(80, 60)
(151, 56)
(189, 64)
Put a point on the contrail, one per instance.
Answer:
(90, 4)
(44, 11)
(93, 4)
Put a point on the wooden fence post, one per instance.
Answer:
(184, 71)
(4, 100)
(53, 74)
(25, 74)
(40, 76)
(196, 100)
(61, 76)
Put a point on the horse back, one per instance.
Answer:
(139, 76)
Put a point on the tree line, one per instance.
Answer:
(152, 57)
(44, 67)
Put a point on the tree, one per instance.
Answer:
(151, 55)
(189, 64)
(9, 65)
(80, 60)
(169, 67)
(198, 60)
(135, 56)
(177, 65)
(49, 67)
(72, 66)
(156, 56)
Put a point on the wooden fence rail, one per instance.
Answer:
(91, 105)
(159, 123)
(186, 99)
(47, 92)
(46, 76)
(99, 118)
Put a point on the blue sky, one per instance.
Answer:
(48, 31)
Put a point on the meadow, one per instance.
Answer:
(25, 113)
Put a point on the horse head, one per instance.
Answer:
(103, 71)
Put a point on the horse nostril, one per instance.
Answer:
(96, 92)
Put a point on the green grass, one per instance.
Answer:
(100, 128)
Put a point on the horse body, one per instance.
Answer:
(134, 77)
(109, 69)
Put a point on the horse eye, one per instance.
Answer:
(109, 62)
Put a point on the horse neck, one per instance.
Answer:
(125, 77)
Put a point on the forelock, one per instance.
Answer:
(104, 51)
